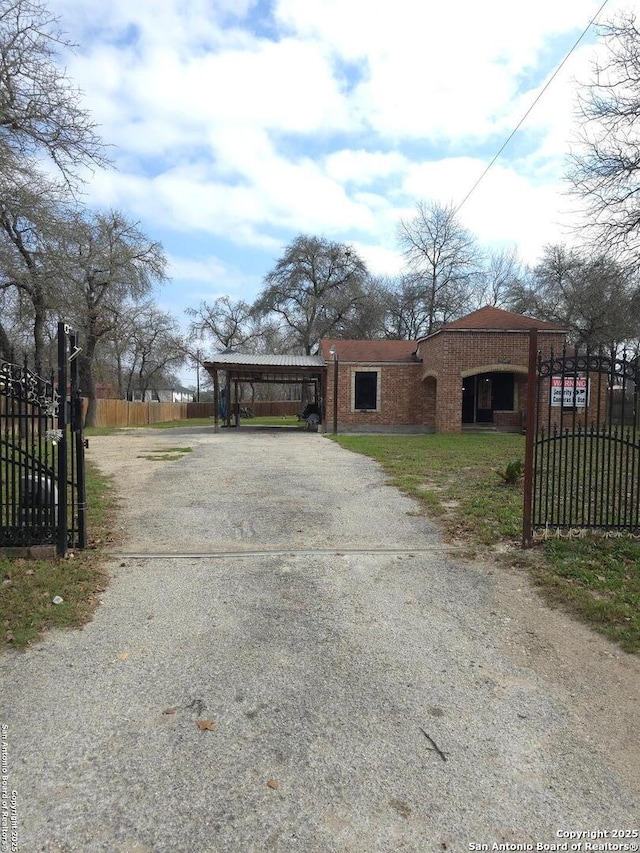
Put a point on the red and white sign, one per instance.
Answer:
(569, 391)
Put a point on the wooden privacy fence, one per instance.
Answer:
(123, 413)
(273, 408)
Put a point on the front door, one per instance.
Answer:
(469, 400)
(485, 393)
(484, 399)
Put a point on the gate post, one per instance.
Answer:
(62, 426)
(78, 438)
(532, 387)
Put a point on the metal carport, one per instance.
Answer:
(266, 369)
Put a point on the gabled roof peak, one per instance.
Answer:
(490, 318)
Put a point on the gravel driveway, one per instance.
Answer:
(359, 688)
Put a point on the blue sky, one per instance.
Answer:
(237, 125)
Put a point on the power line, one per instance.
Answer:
(526, 115)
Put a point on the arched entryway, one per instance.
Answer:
(491, 395)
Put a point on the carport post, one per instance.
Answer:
(228, 394)
(334, 353)
(216, 400)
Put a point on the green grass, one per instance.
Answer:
(274, 420)
(597, 580)
(455, 479)
(28, 586)
(191, 422)
(89, 432)
(287, 420)
(165, 454)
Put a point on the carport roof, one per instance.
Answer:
(268, 368)
(227, 360)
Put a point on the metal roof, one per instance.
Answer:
(234, 359)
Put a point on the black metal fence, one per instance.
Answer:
(42, 477)
(583, 446)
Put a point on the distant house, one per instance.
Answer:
(176, 394)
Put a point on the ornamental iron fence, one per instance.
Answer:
(42, 469)
(582, 467)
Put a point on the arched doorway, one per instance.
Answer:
(485, 393)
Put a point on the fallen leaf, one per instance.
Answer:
(123, 655)
(206, 725)
(272, 783)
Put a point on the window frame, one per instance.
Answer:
(378, 373)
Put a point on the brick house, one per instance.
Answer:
(471, 372)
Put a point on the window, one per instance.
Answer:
(366, 390)
(503, 396)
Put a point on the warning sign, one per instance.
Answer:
(570, 392)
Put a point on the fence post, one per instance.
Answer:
(532, 383)
(62, 452)
(78, 437)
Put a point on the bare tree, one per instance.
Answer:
(367, 320)
(41, 117)
(315, 287)
(109, 261)
(156, 349)
(593, 296)
(32, 217)
(40, 109)
(407, 309)
(443, 257)
(230, 324)
(604, 169)
(500, 274)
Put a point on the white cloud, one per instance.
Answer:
(363, 167)
(335, 123)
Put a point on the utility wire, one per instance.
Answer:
(526, 115)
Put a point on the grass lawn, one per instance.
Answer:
(275, 420)
(455, 479)
(28, 586)
(284, 421)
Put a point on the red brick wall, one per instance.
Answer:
(428, 395)
(449, 354)
(404, 399)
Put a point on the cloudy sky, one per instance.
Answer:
(238, 124)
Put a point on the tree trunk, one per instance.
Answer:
(6, 350)
(38, 336)
(87, 382)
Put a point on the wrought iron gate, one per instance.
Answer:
(42, 476)
(582, 470)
